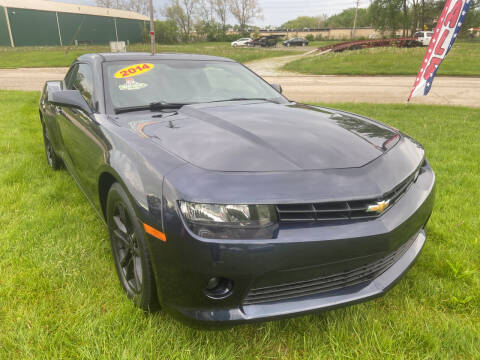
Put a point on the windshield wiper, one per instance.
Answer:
(152, 106)
(244, 99)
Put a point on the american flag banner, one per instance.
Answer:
(444, 36)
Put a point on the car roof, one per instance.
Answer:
(137, 56)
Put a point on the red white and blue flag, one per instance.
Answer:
(444, 36)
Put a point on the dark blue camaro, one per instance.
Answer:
(226, 202)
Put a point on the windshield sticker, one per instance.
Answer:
(133, 70)
(131, 84)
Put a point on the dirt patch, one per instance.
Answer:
(461, 91)
(378, 89)
(272, 66)
(325, 89)
(29, 79)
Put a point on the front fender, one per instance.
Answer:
(143, 185)
(48, 113)
(140, 166)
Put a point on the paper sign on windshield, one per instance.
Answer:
(133, 70)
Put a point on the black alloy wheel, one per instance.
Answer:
(53, 160)
(130, 253)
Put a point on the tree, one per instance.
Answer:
(182, 13)
(245, 11)
(387, 15)
(112, 4)
(305, 22)
(346, 18)
(205, 12)
(405, 18)
(140, 6)
(473, 17)
(220, 7)
(166, 32)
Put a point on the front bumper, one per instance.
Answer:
(308, 304)
(186, 262)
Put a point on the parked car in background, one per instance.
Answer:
(424, 37)
(267, 41)
(243, 42)
(296, 42)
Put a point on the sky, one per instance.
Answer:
(277, 12)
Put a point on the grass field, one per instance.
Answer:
(463, 60)
(60, 298)
(55, 56)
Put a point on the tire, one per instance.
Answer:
(52, 158)
(130, 253)
(288, 44)
(303, 44)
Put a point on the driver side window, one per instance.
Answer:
(83, 82)
(70, 77)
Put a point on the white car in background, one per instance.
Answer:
(424, 37)
(242, 42)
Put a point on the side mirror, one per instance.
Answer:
(277, 87)
(71, 98)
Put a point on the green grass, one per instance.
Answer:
(60, 298)
(463, 60)
(56, 57)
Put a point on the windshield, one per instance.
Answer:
(136, 84)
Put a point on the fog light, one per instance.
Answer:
(219, 288)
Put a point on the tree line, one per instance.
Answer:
(187, 20)
(388, 16)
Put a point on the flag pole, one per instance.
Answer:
(152, 28)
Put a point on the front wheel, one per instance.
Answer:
(130, 253)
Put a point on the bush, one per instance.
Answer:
(310, 37)
(166, 32)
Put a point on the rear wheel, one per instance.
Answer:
(130, 253)
(53, 160)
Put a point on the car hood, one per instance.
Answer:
(264, 137)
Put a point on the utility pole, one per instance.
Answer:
(152, 28)
(423, 15)
(355, 19)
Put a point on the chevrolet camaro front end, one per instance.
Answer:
(228, 203)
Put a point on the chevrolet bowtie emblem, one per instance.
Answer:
(379, 207)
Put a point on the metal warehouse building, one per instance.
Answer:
(42, 22)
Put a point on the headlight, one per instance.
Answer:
(216, 221)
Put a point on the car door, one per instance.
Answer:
(82, 138)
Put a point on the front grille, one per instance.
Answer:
(341, 210)
(327, 283)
